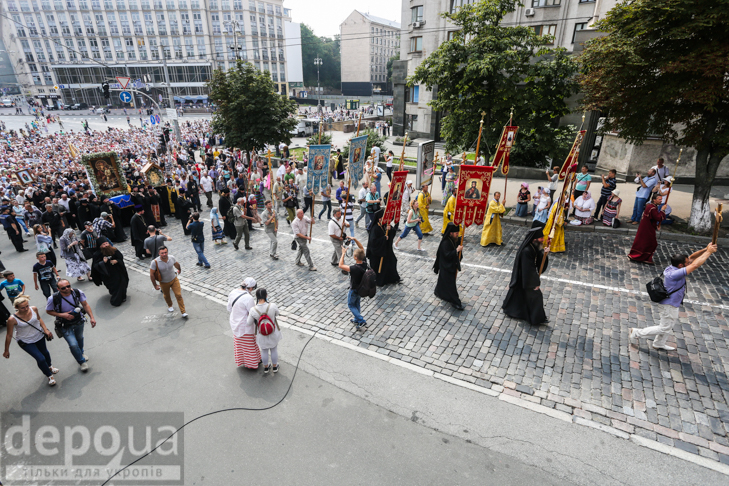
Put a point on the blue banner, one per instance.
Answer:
(318, 167)
(123, 200)
(357, 157)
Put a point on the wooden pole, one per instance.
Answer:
(359, 122)
(717, 222)
(480, 130)
(349, 179)
(270, 184)
(402, 155)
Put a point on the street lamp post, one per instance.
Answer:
(235, 47)
(318, 62)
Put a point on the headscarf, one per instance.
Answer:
(376, 219)
(214, 217)
(586, 195)
(536, 231)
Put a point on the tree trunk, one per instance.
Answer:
(707, 163)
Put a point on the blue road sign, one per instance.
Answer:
(153, 120)
(125, 96)
(156, 118)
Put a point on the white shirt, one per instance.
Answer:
(362, 195)
(239, 314)
(389, 161)
(588, 205)
(301, 226)
(300, 180)
(206, 183)
(661, 172)
(64, 203)
(281, 171)
(376, 150)
(335, 227)
(553, 182)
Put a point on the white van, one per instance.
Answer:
(304, 128)
(7, 102)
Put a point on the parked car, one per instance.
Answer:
(50, 107)
(7, 103)
(101, 110)
(79, 106)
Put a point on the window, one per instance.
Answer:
(414, 94)
(416, 14)
(578, 27)
(416, 44)
(456, 4)
(545, 3)
(543, 30)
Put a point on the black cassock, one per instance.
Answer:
(114, 277)
(224, 206)
(379, 248)
(447, 264)
(183, 208)
(138, 232)
(164, 201)
(522, 301)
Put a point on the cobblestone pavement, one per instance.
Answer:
(581, 363)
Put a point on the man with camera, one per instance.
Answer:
(335, 235)
(154, 241)
(69, 307)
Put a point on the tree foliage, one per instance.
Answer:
(249, 111)
(491, 68)
(325, 48)
(662, 69)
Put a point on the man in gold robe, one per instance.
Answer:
(491, 232)
(424, 200)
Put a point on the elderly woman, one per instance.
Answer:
(72, 253)
(583, 205)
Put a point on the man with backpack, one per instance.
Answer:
(675, 289)
(69, 307)
(362, 283)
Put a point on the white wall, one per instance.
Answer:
(294, 64)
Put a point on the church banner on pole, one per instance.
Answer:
(357, 158)
(573, 155)
(472, 194)
(394, 199)
(503, 150)
(318, 168)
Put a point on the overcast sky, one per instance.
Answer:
(324, 16)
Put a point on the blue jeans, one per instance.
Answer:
(327, 205)
(415, 228)
(353, 304)
(39, 352)
(74, 336)
(351, 227)
(638, 209)
(22, 224)
(199, 249)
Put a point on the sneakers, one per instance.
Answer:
(170, 309)
(312, 269)
(275, 257)
(395, 247)
(632, 338)
(664, 347)
(207, 267)
(275, 368)
(84, 366)
(85, 357)
(199, 264)
(184, 314)
(266, 369)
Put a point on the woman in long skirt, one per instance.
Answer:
(44, 244)
(216, 227)
(76, 265)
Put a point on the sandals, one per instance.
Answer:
(80, 279)
(54, 370)
(51, 381)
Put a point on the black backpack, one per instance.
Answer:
(368, 285)
(657, 290)
(231, 215)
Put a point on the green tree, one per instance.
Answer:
(491, 68)
(662, 69)
(249, 111)
(327, 50)
(373, 140)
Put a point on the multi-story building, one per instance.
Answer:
(424, 29)
(76, 45)
(367, 43)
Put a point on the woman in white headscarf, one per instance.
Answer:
(76, 265)
(584, 206)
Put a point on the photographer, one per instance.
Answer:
(335, 235)
(154, 241)
(69, 307)
(31, 334)
(198, 239)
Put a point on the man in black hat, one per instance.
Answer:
(138, 231)
(447, 264)
(524, 300)
(108, 268)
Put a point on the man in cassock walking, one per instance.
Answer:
(379, 248)
(108, 268)
(447, 264)
(524, 300)
(138, 231)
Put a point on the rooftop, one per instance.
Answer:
(380, 20)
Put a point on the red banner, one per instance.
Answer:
(506, 143)
(472, 194)
(394, 200)
(573, 155)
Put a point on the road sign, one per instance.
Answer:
(125, 96)
(62, 86)
(171, 113)
(123, 81)
(152, 120)
(156, 118)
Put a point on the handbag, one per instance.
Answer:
(293, 245)
(657, 290)
(157, 273)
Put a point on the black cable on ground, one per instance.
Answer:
(296, 369)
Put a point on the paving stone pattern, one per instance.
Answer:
(581, 363)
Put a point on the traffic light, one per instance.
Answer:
(105, 89)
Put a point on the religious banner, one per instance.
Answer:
(318, 167)
(394, 199)
(425, 163)
(357, 157)
(154, 174)
(503, 150)
(472, 194)
(25, 177)
(573, 155)
(104, 174)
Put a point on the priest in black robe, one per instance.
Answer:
(152, 199)
(379, 249)
(108, 268)
(447, 264)
(184, 209)
(224, 205)
(164, 201)
(524, 300)
(138, 232)
(83, 212)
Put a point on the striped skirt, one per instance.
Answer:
(247, 352)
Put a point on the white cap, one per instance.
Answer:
(249, 283)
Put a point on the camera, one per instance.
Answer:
(156, 232)
(77, 313)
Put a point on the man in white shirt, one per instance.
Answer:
(661, 170)
(300, 227)
(335, 235)
(240, 302)
(361, 197)
(376, 153)
(300, 181)
(206, 182)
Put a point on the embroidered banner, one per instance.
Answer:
(104, 174)
(394, 199)
(318, 168)
(357, 157)
(503, 149)
(474, 184)
(573, 155)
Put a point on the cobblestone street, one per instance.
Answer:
(580, 364)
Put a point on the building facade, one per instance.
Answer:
(62, 50)
(423, 30)
(367, 44)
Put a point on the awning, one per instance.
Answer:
(191, 98)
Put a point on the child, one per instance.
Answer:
(13, 286)
(45, 272)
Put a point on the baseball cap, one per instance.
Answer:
(249, 283)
